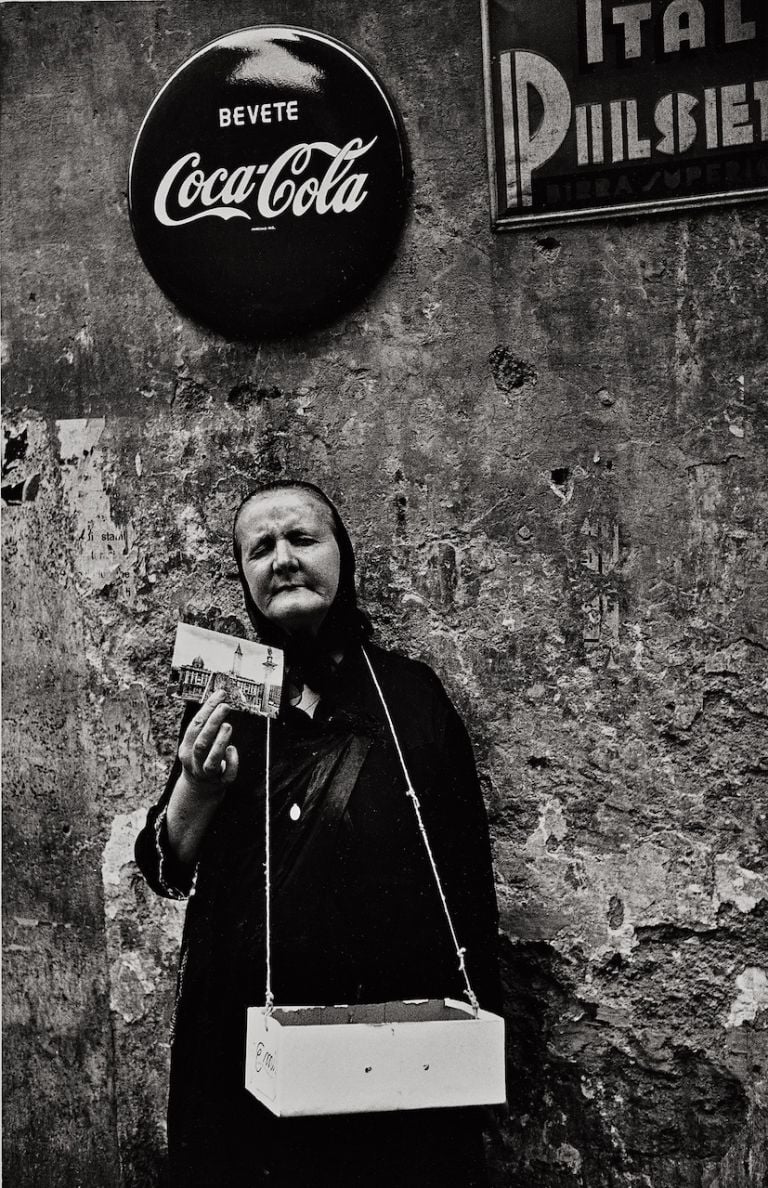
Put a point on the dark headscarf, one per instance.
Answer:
(309, 660)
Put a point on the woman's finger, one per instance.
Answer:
(231, 765)
(205, 737)
(200, 736)
(211, 765)
(203, 714)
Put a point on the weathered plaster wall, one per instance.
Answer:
(551, 452)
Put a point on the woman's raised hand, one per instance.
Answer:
(209, 763)
(208, 759)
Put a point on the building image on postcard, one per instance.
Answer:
(243, 692)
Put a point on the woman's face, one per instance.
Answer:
(290, 558)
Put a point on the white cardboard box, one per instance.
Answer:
(377, 1056)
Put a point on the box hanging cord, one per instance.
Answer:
(411, 793)
(269, 998)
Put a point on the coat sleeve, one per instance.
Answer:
(154, 855)
(456, 819)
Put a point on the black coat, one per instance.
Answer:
(356, 917)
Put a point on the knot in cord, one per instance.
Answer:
(469, 992)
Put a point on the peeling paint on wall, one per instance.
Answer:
(143, 938)
(752, 986)
(734, 884)
(103, 550)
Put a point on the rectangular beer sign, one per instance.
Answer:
(597, 109)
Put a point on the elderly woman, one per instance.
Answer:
(356, 916)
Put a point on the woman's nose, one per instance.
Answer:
(284, 557)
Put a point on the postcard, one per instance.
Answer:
(251, 673)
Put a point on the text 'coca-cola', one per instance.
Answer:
(224, 193)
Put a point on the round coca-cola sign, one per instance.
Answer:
(269, 182)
